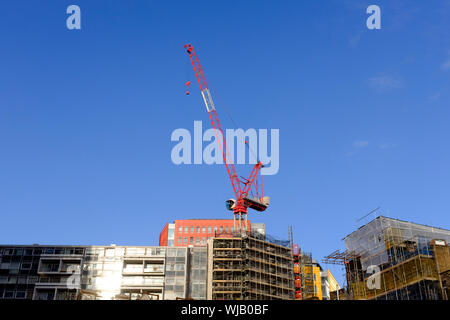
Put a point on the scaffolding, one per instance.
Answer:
(308, 277)
(88, 295)
(245, 267)
(390, 259)
(298, 280)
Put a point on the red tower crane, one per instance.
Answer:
(248, 192)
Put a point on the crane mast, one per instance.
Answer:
(243, 187)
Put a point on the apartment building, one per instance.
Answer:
(391, 259)
(258, 264)
(329, 284)
(249, 267)
(195, 232)
(100, 272)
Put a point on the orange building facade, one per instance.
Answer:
(194, 232)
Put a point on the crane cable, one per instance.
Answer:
(231, 118)
(257, 183)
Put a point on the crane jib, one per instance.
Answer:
(245, 197)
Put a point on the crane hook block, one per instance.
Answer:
(187, 85)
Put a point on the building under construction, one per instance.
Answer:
(249, 266)
(310, 275)
(390, 259)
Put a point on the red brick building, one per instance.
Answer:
(194, 232)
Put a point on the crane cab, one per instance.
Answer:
(230, 204)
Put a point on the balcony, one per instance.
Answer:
(145, 252)
(59, 266)
(66, 295)
(139, 281)
(48, 268)
(53, 281)
(135, 269)
(143, 267)
(154, 268)
(70, 268)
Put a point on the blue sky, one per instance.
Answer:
(86, 115)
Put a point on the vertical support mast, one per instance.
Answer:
(209, 103)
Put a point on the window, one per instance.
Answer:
(32, 279)
(191, 240)
(203, 230)
(197, 240)
(185, 240)
(180, 229)
(209, 229)
(179, 240)
(226, 229)
(179, 290)
(221, 229)
(132, 280)
(110, 252)
(203, 240)
(70, 251)
(192, 229)
(232, 229)
(181, 252)
(186, 230)
(154, 281)
(26, 265)
(133, 267)
(215, 229)
(179, 267)
(198, 229)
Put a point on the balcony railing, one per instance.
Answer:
(49, 268)
(52, 280)
(64, 269)
(71, 269)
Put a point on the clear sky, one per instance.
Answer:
(86, 115)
